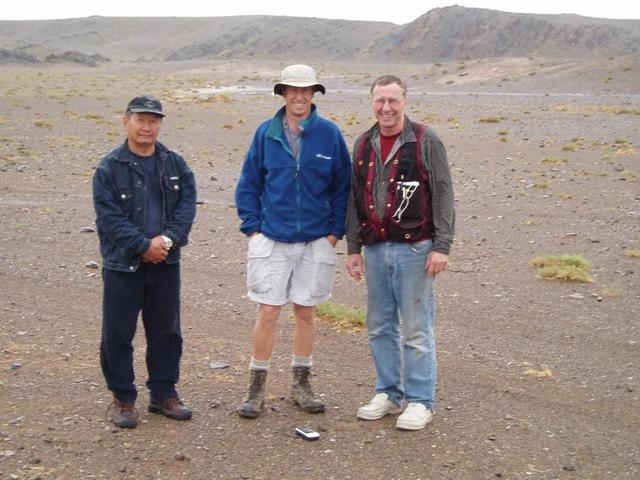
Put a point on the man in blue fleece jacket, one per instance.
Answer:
(292, 198)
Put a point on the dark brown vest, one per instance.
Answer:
(407, 213)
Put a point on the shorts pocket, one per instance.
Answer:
(258, 265)
(325, 259)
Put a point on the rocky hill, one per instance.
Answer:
(450, 33)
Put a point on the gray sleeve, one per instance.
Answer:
(434, 158)
(354, 245)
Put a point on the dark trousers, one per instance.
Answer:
(153, 289)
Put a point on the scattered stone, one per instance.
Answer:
(92, 264)
(578, 296)
(7, 453)
(218, 365)
(568, 468)
(215, 404)
(15, 366)
(87, 230)
(180, 456)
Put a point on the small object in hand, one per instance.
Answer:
(168, 242)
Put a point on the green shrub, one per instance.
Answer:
(343, 318)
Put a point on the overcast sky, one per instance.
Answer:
(396, 11)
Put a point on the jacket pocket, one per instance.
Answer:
(172, 189)
(125, 197)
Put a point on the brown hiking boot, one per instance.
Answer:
(252, 406)
(124, 415)
(171, 408)
(301, 393)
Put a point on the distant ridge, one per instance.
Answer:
(449, 33)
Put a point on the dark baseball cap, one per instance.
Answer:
(145, 104)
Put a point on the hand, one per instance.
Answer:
(333, 240)
(436, 262)
(157, 252)
(355, 266)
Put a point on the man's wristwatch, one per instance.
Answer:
(168, 242)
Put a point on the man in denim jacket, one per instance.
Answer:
(145, 201)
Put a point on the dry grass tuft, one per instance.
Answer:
(564, 196)
(567, 268)
(571, 147)
(632, 253)
(543, 372)
(554, 160)
(629, 175)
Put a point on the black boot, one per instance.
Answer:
(301, 393)
(252, 406)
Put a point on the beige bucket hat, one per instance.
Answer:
(298, 76)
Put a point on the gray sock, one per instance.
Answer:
(301, 361)
(259, 364)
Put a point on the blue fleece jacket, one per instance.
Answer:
(292, 199)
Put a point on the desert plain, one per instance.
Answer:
(538, 379)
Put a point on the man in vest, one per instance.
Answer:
(292, 197)
(402, 211)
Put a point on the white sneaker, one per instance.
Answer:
(415, 417)
(378, 408)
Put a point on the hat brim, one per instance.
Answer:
(146, 110)
(278, 88)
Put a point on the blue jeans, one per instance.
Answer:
(398, 287)
(153, 289)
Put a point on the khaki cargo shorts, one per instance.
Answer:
(301, 273)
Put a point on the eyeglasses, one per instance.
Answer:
(393, 102)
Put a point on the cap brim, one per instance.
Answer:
(279, 87)
(146, 110)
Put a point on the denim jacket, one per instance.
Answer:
(119, 197)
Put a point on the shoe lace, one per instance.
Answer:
(123, 407)
(172, 402)
(126, 407)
